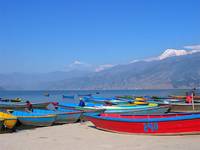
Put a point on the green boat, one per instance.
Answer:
(129, 109)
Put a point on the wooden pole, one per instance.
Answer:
(192, 101)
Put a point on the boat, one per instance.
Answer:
(33, 119)
(90, 107)
(81, 95)
(22, 105)
(9, 120)
(126, 97)
(183, 97)
(182, 107)
(114, 100)
(140, 99)
(109, 109)
(68, 96)
(62, 115)
(143, 111)
(11, 100)
(106, 102)
(159, 125)
(1, 123)
(46, 94)
(126, 108)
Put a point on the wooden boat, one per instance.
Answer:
(81, 95)
(11, 100)
(62, 115)
(126, 109)
(183, 97)
(89, 108)
(1, 123)
(183, 107)
(109, 109)
(126, 97)
(143, 111)
(159, 97)
(46, 94)
(159, 125)
(68, 96)
(22, 105)
(140, 99)
(111, 102)
(33, 119)
(9, 120)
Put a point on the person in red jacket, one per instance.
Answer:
(188, 98)
(29, 106)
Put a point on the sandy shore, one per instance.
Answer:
(84, 137)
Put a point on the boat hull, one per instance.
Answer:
(19, 105)
(182, 107)
(188, 125)
(145, 111)
(184, 97)
(67, 117)
(9, 120)
(62, 115)
(1, 124)
(39, 121)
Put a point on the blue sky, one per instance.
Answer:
(47, 35)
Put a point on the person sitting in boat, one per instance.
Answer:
(188, 98)
(29, 106)
(107, 103)
(55, 104)
(81, 103)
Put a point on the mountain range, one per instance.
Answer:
(172, 69)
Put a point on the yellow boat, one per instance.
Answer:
(140, 99)
(140, 103)
(9, 120)
(134, 104)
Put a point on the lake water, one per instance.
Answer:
(57, 95)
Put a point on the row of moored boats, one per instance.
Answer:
(122, 114)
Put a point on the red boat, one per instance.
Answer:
(170, 124)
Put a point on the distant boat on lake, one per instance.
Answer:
(46, 94)
(68, 96)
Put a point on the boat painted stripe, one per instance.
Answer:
(177, 118)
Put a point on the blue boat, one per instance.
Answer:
(34, 119)
(62, 115)
(73, 105)
(103, 100)
(120, 109)
(22, 105)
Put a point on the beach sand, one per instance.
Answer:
(83, 136)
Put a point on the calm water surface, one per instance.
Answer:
(57, 95)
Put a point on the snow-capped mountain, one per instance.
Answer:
(171, 53)
(103, 67)
(182, 71)
(172, 69)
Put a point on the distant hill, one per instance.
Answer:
(36, 81)
(172, 69)
(173, 72)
